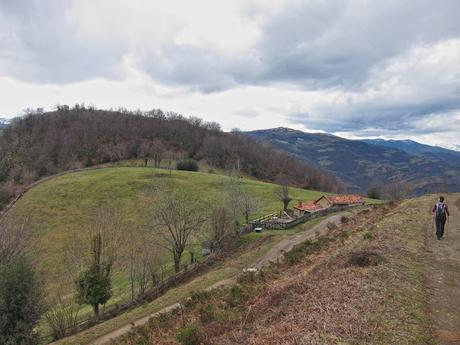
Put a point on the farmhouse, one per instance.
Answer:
(339, 200)
(302, 208)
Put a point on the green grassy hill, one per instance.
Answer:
(61, 209)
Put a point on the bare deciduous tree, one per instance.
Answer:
(282, 193)
(397, 190)
(220, 226)
(13, 236)
(145, 262)
(176, 217)
(234, 192)
(248, 205)
(62, 315)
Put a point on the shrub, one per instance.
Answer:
(188, 165)
(344, 219)
(206, 313)
(62, 317)
(368, 236)
(236, 296)
(190, 335)
(373, 193)
(296, 254)
(20, 303)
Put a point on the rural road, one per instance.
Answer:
(275, 253)
(443, 277)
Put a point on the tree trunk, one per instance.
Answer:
(96, 310)
(177, 263)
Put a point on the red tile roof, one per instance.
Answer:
(309, 207)
(344, 199)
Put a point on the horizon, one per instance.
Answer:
(7, 120)
(331, 67)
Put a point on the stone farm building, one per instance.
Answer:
(340, 200)
(306, 207)
(325, 202)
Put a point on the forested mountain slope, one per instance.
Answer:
(362, 165)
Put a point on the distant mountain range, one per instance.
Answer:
(362, 164)
(3, 122)
(414, 148)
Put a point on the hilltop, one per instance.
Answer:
(42, 144)
(362, 165)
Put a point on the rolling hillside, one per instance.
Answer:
(361, 165)
(60, 211)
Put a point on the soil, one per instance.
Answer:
(443, 277)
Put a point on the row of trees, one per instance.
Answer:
(40, 144)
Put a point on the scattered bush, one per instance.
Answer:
(190, 335)
(197, 297)
(368, 236)
(373, 193)
(296, 254)
(62, 317)
(344, 219)
(236, 296)
(206, 313)
(188, 165)
(20, 303)
(364, 258)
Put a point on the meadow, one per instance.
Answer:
(60, 211)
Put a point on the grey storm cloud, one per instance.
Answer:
(39, 43)
(338, 46)
(337, 43)
(312, 44)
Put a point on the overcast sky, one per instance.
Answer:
(354, 68)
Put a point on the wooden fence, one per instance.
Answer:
(275, 224)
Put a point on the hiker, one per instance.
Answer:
(441, 212)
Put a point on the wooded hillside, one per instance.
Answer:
(41, 144)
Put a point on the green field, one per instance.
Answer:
(61, 209)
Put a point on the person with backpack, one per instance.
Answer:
(441, 212)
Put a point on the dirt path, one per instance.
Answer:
(443, 277)
(273, 254)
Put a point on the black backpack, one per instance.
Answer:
(440, 210)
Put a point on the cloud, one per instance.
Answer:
(347, 66)
(338, 43)
(416, 92)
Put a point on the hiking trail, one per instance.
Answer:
(443, 277)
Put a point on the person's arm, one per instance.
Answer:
(434, 209)
(447, 211)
